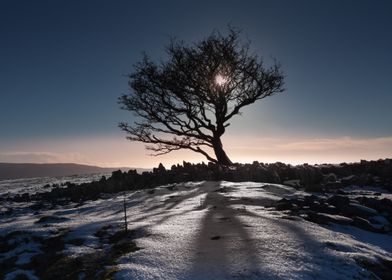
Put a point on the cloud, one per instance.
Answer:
(338, 143)
(317, 144)
(310, 150)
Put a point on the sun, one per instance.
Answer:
(221, 80)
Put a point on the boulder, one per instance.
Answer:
(317, 218)
(355, 209)
(330, 178)
(321, 218)
(324, 208)
(349, 180)
(339, 201)
(283, 204)
(365, 224)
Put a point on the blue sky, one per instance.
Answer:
(62, 67)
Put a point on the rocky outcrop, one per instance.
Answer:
(315, 178)
(343, 210)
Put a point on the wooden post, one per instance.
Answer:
(125, 215)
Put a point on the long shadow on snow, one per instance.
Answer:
(224, 246)
(165, 208)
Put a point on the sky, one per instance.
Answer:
(63, 65)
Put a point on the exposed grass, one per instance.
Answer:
(97, 265)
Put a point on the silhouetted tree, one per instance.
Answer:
(192, 96)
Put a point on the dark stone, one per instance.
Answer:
(283, 204)
(324, 208)
(341, 192)
(51, 219)
(37, 206)
(349, 180)
(321, 218)
(339, 201)
(382, 268)
(354, 209)
(317, 218)
(309, 199)
(316, 178)
(365, 224)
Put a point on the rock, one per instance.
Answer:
(309, 176)
(161, 169)
(380, 223)
(331, 178)
(51, 219)
(341, 220)
(312, 177)
(292, 183)
(321, 218)
(222, 190)
(374, 203)
(339, 201)
(333, 185)
(349, 180)
(364, 180)
(355, 209)
(172, 187)
(317, 218)
(314, 188)
(379, 220)
(283, 204)
(382, 268)
(341, 192)
(376, 180)
(37, 206)
(365, 224)
(309, 199)
(324, 208)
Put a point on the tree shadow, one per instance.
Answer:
(165, 208)
(226, 246)
(224, 239)
(232, 240)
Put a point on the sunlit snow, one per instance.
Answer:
(208, 230)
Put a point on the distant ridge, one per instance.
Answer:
(30, 170)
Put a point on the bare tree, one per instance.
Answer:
(187, 101)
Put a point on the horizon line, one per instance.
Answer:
(194, 162)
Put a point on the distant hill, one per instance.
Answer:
(30, 170)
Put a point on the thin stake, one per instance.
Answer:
(125, 215)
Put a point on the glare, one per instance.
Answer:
(221, 80)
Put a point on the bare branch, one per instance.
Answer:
(179, 105)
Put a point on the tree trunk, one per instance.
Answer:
(220, 154)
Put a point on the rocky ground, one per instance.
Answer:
(202, 230)
(314, 178)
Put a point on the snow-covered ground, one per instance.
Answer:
(204, 230)
(31, 185)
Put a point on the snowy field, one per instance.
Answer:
(204, 230)
(32, 185)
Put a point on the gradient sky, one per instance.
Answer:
(62, 67)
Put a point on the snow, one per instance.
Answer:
(207, 230)
(15, 274)
(369, 191)
(366, 210)
(30, 185)
(381, 241)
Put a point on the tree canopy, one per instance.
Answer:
(187, 101)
